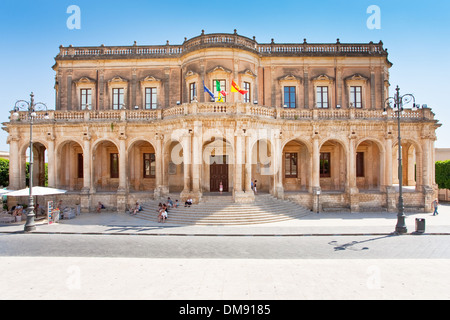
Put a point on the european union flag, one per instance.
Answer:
(205, 89)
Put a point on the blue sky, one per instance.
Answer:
(416, 34)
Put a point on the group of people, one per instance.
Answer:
(163, 209)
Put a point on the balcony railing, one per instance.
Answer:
(223, 40)
(224, 110)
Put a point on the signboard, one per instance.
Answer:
(53, 213)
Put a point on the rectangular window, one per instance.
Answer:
(149, 165)
(80, 166)
(150, 98)
(325, 164)
(248, 94)
(322, 97)
(290, 165)
(86, 99)
(114, 165)
(360, 164)
(356, 96)
(223, 86)
(289, 97)
(192, 91)
(118, 98)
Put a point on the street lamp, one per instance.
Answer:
(399, 101)
(31, 108)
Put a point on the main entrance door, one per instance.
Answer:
(218, 171)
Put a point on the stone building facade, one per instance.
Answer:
(133, 122)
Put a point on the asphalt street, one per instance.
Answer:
(61, 266)
(226, 247)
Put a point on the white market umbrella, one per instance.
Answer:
(3, 191)
(37, 191)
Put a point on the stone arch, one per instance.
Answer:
(296, 165)
(370, 160)
(39, 160)
(262, 161)
(333, 165)
(141, 165)
(69, 166)
(219, 165)
(105, 165)
(173, 165)
(412, 164)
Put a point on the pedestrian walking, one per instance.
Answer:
(435, 205)
(220, 187)
(254, 186)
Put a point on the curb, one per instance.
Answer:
(231, 234)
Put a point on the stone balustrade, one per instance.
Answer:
(225, 109)
(223, 40)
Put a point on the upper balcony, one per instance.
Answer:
(224, 110)
(222, 40)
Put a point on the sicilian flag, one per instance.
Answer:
(236, 88)
(205, 89)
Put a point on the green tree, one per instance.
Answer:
(4, 172)
(443, 174)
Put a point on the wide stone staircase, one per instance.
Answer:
(222, 210)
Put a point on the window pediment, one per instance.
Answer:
(190, 74)
(219, 69)
(248, 72)
(117, 80)
(289, 77)
(85, 80)
(356, 77)
(150, 79)
(323, 77)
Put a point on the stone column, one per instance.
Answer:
(186, 143)
(242, 180)
(427, 172)
(315, 174)
(14, 163)
(248, 165)
(122, 189)
(238, 176)
(161, 189)
(197, 159)
(87, 174)
(69, 90)
(352, 190)
(278, 172)
(51, 162)
(389, 189)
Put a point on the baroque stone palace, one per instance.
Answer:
(133, 122)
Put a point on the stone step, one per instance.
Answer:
(222, 210)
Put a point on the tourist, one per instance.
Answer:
(188, 202)
(220, 187)
(254, 187)
(176, 204)
(100, 206)
(162, 214)
(137, 208)
(169, 202)
(435, 205)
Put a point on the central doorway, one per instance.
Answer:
(218, 171)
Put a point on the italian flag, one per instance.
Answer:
(236, 88)
(221, 92)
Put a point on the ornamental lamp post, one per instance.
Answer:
(31, 108)
(399, 101)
